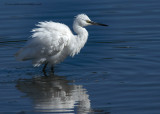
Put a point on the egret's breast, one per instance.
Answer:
(59, 57)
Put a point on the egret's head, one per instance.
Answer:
(83, 20)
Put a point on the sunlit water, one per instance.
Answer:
(117, 72)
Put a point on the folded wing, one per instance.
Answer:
(47, 40)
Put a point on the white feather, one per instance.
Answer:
(52, 42)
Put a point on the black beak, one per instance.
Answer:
(94, 23)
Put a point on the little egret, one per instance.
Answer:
(52, 42)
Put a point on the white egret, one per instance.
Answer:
(52, 42)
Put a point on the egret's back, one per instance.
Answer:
(47, 41)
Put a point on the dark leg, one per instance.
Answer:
(52, 69)
(44, 68)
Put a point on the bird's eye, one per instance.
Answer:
(88, 21)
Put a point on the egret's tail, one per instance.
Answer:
(25, 54)
(18, 55)
(22, 55)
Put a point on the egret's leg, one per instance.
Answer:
(44, 73)
(44, 68)
(52, 69)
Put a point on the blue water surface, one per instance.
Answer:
(117, 72)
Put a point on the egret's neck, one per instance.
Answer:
(79, 30)
(80, 39)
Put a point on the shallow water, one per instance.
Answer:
(117, 72)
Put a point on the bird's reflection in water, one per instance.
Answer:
(55, 94)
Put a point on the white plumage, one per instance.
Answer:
(52, 42)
